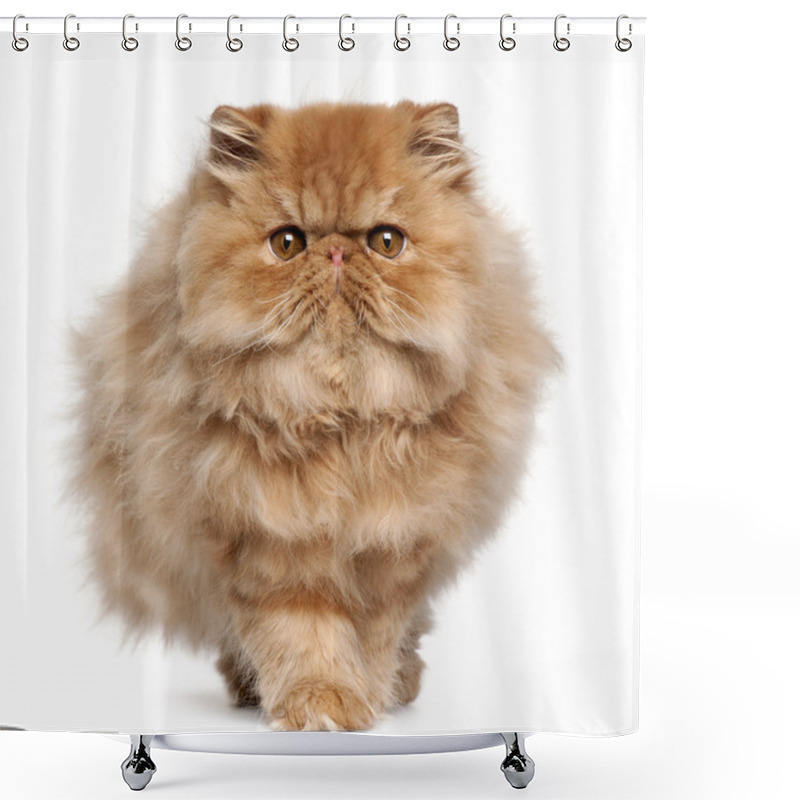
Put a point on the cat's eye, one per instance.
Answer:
(286, 243)
(387, 241)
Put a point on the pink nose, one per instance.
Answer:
(336, 255)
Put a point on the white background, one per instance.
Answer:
(720, 538)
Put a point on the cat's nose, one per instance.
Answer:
(337, 255)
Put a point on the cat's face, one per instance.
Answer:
(333, 228)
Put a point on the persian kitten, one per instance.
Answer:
(309, 402)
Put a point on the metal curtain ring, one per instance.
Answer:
(18, 42)
(451, 42)
(623, 45)
(345, 42)
(129, 43)
(289, 44)
(70, 42)
(182, 42)
(561, 43)
(234, 45)
(401, 42)
(506, 42)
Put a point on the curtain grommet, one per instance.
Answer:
(129, 43)
(346, 43)
(451, 43)
(507, 42)
(289, 44)
(561, 43)
(183, 43)
(19, 43)
(401, 43)
(234, 44)
(70, 43)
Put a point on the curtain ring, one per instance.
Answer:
(345, 42)
(506, 42)
(129, 43)
(19, 43)
(289, 44)
(70, 42)
(561, 43)
(623, 45)
(451, 42)
(234, 45)
(401, 42)
(182, 42)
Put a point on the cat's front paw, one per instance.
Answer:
(408, 678)
(321, 706)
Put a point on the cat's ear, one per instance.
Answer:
(435, 138)
(235, 134)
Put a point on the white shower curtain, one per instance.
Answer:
(540, 633)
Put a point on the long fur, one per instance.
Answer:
(288, 473)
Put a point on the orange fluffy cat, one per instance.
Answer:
(309, 402)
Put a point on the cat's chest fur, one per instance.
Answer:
(383, 481)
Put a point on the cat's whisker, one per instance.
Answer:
(262, 339)
(276, 312)
(406, 314)
(257, 333)
(273, 299)
(409, 297)
(360, 314)
(285, 323)
(244, 349)
(265, 338)
(314, 308)
(395, 322)
(366, 308)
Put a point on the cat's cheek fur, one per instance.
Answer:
(297, 506)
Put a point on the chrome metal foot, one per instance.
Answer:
(517, 766)
(138, 768)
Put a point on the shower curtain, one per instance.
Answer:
(538, 630)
